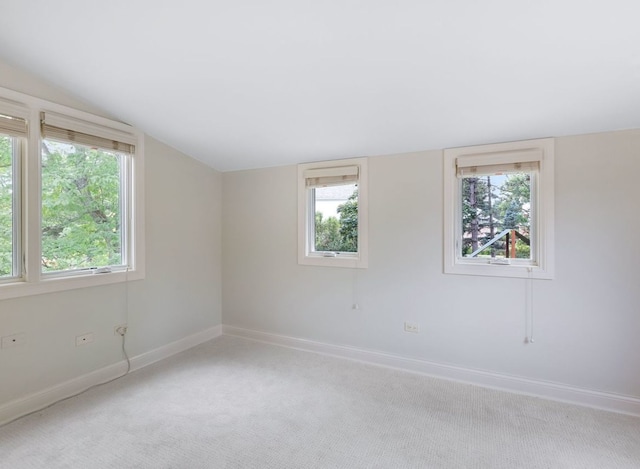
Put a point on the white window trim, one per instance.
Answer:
(543, 265)
(34, 282)
(305, 255)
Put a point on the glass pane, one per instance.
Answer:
(81, 207)
(496, 216)
(336, 218)
(6, 206)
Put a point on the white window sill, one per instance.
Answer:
(497, 270)
(55, 284)
(337, 261)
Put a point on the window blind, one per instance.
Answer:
(66, 129)
(14, 126)
(332, 176)
(524, 161)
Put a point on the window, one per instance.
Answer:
(332, 213)
(83, 208)
(13, 131)
(499, 209)
(71, 198)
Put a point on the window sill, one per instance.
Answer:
(498, 270)
(353, 262)
(50, 285)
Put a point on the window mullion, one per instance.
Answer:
(16, 209)
(31, 205)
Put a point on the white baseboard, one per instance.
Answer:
(152, 356)
(38, 400)
(547, 390)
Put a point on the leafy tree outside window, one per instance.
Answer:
(338, 234)
(6, 206)
(81, 207)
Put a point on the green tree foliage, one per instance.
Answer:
(327, 233)
(6, 200)
(349, 223)
(81, 223)
(339, 235)
(514, 201)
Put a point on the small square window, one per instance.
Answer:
(499, 209)
(332, 211)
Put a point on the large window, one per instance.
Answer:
(499, 209)
(71, 199)
(332, 202)
(83, 207)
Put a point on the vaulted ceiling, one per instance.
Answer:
(249, 83)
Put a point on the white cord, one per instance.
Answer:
(354, 290)
(529, 307)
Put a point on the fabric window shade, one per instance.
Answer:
(67, 130)
(14, 126)
(524, 161)
(334, 176)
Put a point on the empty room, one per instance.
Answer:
(355, 234)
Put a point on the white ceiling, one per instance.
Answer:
(249, 83)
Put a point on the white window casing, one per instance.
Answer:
(531, 156)
(325, 174)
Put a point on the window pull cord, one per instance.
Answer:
(529, 308)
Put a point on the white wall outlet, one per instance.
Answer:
(120, 330)
(411, 327)
(84, 339)
(14, 340)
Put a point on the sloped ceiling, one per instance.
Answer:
(246, 84)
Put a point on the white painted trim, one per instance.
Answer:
(38, 400)
(503, 382)
(175, 347)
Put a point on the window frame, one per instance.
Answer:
(306, 217)
(19, 149)
(33, 281)
(541, 265)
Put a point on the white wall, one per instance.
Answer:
(180, 295)
(586, 319)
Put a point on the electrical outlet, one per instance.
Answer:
(120, 330)
(14, 340)
(84, 339)
(411, 327)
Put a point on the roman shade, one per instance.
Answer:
(522, 161)
(331, 176)
(66, 129)
(14, 126)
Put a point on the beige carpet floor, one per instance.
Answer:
(234, 403)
